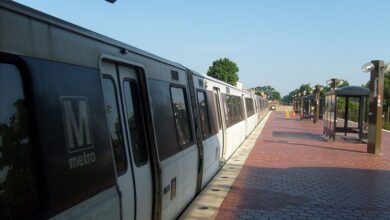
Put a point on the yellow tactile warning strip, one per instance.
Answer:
(208, 202)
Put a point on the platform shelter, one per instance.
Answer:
(345, 111)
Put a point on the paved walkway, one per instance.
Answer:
(292, 174)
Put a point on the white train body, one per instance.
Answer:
(103, 130)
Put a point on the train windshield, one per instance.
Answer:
(18, 185)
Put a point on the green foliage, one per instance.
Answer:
(224, 70)
(386, 106)
(344, 84)
(305, 87)
(270, 91)
(286, 99)
(386, 89)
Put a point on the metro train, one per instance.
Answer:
(92, 128)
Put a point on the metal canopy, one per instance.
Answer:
(309, 97)
(350, 91)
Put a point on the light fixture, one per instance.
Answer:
(368, 67)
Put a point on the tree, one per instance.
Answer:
(224, 70)
(270, 91)
(305, 87)
(287, 99)
(16, 162)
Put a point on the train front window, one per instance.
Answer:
(114, 125)
(18, 182)
(180, 112)
(135, 122)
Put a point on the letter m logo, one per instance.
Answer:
(76, 119)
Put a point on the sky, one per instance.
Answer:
(281, 43)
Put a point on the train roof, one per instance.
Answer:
(38, 15)
(219, 81)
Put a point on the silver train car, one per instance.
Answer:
(92, 128)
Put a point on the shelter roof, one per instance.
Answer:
(350, 91)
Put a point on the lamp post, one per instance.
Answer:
(293, 102)
(300, 105)
(377, 70)
(334, 83)
(302, 109)
(317, 89)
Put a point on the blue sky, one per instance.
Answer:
(282, 43)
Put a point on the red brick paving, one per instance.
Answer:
(292, 173)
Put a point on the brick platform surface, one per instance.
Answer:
(292, 173)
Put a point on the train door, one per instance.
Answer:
(221, 125)
(120, 85)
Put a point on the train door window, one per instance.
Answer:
(203, 112)
(114, 125)
(18, 181)
(218, 108)
(135, 122)
(180, 113)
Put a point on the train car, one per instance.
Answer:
(93, 128)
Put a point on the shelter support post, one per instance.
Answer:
(361, 116)
(346, 115)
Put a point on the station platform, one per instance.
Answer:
(285, 170)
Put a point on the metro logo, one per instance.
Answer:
(77, 123)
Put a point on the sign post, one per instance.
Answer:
(375, 107)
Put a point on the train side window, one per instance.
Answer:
(233, 109)
(114, 125)
(135, 122)
(18, 181)
(249, 107)
(180, 113)
(203, 112)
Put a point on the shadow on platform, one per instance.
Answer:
(315, 191)
(297, 144)
(296, 135)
